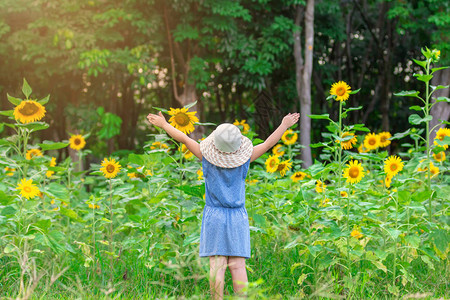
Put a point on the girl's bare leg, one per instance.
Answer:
(217, 267)
(238, 273)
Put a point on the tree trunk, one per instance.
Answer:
(303, 70)
(441, 110)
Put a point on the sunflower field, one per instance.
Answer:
(360, 223)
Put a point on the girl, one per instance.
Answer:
(225, 155)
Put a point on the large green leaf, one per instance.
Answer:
(407, 94)
(26, 89)
(49, 145)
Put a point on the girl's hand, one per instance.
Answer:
(157, 120)
(290, 119)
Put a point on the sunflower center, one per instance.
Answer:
(383, 139)
(110, 168)
(27, 189)
(272, 163)
(372, 141)
(441, 137)
(353, 172)
(280, 167)
(340, 91)
(77, 141)
(29, 109)
(182, 119)
(438, 156)
(393, 167)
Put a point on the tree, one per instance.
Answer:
(303, 67)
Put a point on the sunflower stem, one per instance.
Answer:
(340, 152)
(111, 248)
(427, 124)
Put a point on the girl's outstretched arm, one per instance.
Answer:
(287, 122)
(160, 121)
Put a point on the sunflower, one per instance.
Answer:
(9, 171)
(52, 164)
(32, 153)
(272, 163)
(297, 176)
(200, 174)
(278, 150)
(433, 170)
(344, 194)
(388, 181)
(289, 137)
(110, 168)
(284, 166)
(77, 142)
(392, 165)
(27, 188)
(354, 173)
(439, 157)
(341, 90)
(441, 134)
(371, 141)
(182, 119)
(186, 153)
(349, 143)
(148, 173)
(320, 186)
(244, 125)
(384, 138)
(159, 145)
(29, 111)
(93, 206)
(356, 234)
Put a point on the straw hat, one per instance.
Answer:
(226, 147)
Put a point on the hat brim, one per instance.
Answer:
(224, 159)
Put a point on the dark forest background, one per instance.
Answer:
(107, 63)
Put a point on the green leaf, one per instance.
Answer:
(354, 92)
(413, 240)
(441, 239)
(57, 191)
(26, 89)
(49, 145)
(422, 63)
(407, 94)
(415, 119)
(422, 77)
(437, 69)
(71, 214)
(196, 190)
(416, 108)
(443, 99)
(136, 159)
(206, 124)
(161, 109)
(13, 100)
(187, 106)
(7, 113)
(44, 101)
(320, 117)
(353, 108)
(427, 260)
(400, 135)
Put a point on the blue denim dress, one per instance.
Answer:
(225, 229)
